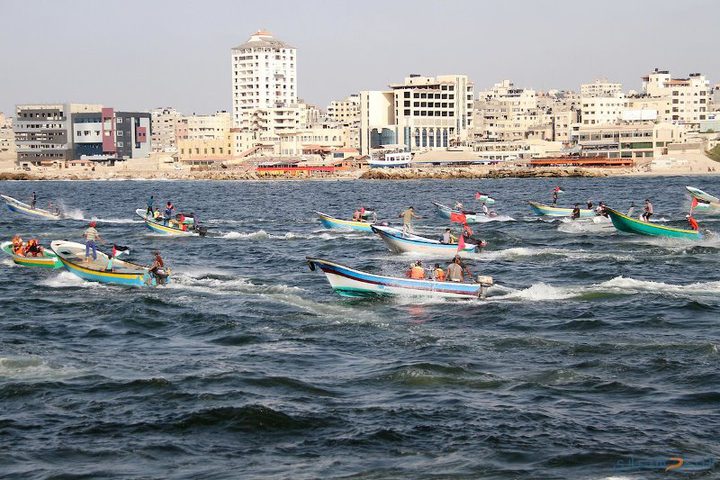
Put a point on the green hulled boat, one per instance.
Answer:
(626, 224)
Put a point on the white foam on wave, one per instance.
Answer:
(32, 368)
(263, 235)
(65, 279)
(618, 285)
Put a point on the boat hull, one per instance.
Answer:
(128, 274)
(17, 206)
(159, 228)
(48, 260)
(626, 224)
(446, 211)
(350, 282)
(337, 224)
(399, 243)
(549, 211)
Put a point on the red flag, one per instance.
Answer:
(477, 196)
(694, 203)
(461, 243)
(458, 217)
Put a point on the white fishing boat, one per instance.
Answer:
(400, 242)
(15, 205)
(350, 282)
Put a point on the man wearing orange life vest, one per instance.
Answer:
(692, 222)
(17, 245)
(438, 273)
(32, 248)
(417, 272)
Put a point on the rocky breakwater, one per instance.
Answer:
(479, 172)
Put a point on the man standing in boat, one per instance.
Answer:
(648, 212)
(150, 203)
(91, 237)
(408, 216)
(33, 201)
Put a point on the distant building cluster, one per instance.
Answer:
(420, 114)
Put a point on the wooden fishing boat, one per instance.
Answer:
(22, 208)
(408, 243)
(47, 260)
(171, 229)
(350, 282)
(630, 225)
(72, 256)
(471, 217)
(549, 211)
(336, 223)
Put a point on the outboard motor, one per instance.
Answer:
(201, 229)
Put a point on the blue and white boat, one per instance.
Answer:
(350, 282)
(399, 242)
(119, 272)
(22, 208)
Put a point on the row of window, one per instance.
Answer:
(429, 113)
(197, 151)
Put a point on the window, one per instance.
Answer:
(118, 120)
(120, 144)
(120, 133)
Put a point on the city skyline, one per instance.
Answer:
(176, 56)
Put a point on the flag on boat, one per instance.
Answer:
(461, 243)
(458, 217)
(693, 204)
(119, 250)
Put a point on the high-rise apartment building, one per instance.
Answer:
(264, 77)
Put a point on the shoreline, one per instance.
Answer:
(375, 174)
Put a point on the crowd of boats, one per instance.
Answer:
(449, 279)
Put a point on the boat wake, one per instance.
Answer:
(614, 287)
(215, 283)
(66, 279)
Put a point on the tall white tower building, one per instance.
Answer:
(264, 77)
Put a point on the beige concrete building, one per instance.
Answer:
(600, 88)
(203, 139)
(509, 113)
(596, 110)
(688, 98)
(422, 113)
(345, 112)
(164, 129)
(7, 137)
(638, 140)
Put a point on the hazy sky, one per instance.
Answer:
(139, 54)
